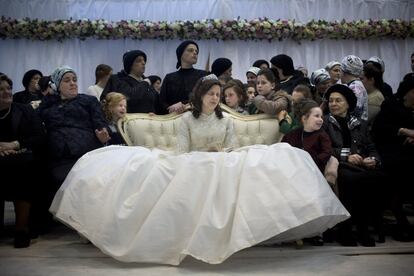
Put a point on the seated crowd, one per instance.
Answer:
(359, 133)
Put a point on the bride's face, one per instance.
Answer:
(211, 99)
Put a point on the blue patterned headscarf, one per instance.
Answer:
(57, 76)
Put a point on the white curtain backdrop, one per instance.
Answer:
(18, 56)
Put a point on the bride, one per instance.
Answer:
(155, 206)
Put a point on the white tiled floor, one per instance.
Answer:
(62, 253)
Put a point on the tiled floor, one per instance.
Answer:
(63, 253)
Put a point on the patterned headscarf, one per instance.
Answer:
(57, 76)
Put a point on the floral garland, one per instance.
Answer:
(241, 29)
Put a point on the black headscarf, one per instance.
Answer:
(129, 57)
(29, 75)
(220, 66)
(180, 50)
(285, 63)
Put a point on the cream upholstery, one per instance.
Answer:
(160, 131)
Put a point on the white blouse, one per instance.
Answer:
(207, 133)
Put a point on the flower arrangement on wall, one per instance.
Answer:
(237, 29)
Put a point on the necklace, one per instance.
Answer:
(5, 115)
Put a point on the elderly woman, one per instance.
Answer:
(74, 122)
(334, 69)
(21, 137)
(393, 132)
(359, 179)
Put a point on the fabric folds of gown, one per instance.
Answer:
(154, 206)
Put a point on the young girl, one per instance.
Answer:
(251, 91)
(311, 138)
(235, 97)
(289, 121)
(268, 101)
(114, 107)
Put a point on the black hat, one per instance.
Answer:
(259, 62)
(180, 50)
(29, 75)
(285, 63)
(129, 58)
(346, 92)
(220, 66)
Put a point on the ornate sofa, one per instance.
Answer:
(160, 131)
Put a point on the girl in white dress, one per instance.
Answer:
(142, 205)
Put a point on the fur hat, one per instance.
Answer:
(346, 92)
(29, 75)
(220, 66)
(129, 58)
(285, 63)
(57, 76)
(352, 65)
(319, 76)
(180, 50)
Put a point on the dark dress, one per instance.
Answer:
(21, 172)
(317, 144)
(361, 190)
(141, 96)
(397, 156)
(70, 126)
(177, 86)
(290, 84)
(25, 97)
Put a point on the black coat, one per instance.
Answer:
(141, 96)
(393, 116)
(361, 142)
(71, 125)
(177, 86)
(21, 171)
(25, 97)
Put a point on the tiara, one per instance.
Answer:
(209, 77)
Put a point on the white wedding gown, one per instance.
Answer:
(154, 206)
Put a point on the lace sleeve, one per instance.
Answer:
(183, 136)
(231, 138)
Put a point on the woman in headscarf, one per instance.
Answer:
(74, 122)
(177, 86)
(31, 90)
(142, 97)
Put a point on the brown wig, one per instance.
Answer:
(200, 89)
(303, 108)
(241, 94)
(372, 71)
(101, 71)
